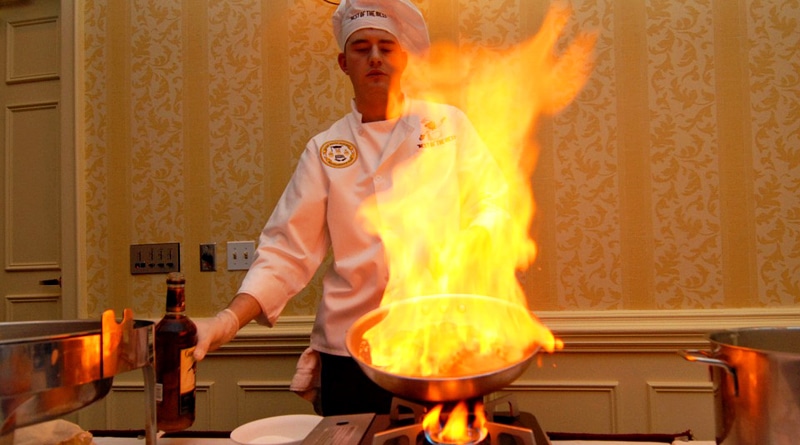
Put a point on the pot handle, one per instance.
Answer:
(695, 355)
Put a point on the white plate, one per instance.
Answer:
(280, 430)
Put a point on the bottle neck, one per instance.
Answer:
(176, 298)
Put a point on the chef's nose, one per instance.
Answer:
(375, 56)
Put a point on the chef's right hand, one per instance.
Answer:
(215, 332)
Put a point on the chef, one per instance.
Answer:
(340, 169)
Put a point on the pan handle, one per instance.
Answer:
(696, 355)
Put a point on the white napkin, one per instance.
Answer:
(54, 432)
(306, 380)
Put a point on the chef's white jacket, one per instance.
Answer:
(318, 212)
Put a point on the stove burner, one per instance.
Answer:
(497, 433)
(473, 436)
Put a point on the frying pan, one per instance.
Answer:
(441, 388)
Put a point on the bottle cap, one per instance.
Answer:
(176, 278)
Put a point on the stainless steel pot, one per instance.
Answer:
(756, 377)
(438, 389)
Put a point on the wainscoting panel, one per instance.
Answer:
(257, 400)
(124, 406)
(556, 404)
(674, 405)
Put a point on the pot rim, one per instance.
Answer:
(714, 338)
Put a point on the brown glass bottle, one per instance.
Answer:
(176, 337)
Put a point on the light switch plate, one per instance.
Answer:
(155, 258)
(240, 254)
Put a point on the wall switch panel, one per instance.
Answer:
(155, 258)
(240, 254)
(208, 257)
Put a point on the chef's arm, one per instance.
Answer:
(215, 332)
(245, 307)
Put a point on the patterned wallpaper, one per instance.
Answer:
(671, 182)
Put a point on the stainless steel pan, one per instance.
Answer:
(438, 389)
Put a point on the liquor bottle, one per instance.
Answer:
(176, 337)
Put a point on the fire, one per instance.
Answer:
(440, 240)
(457, 429)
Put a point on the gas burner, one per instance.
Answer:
(496, 433)
(403, 410)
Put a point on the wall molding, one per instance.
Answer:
(689, 398)
(117, 403)
(608, 387)
(263, 385)
(581, 331)
(15, 29)
(657, 330)
(47, 306)
(605, 393)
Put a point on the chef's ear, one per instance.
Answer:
(342, 62)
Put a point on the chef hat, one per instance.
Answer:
(399, 17)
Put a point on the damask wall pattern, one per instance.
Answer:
(585, 187)
(236, 134)
(671, 182)
(774, 69)
(96, 130)
(157, 147)
(682, 150)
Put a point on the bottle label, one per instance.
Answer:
(159, 392)
(188, 370)
(188, 381)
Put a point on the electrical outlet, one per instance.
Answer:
(155, 258)
(240, 254)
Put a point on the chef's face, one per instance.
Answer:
(374, 61)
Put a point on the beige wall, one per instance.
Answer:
(669, 184)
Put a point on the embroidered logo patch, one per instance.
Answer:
(338, 154)
(432, 133)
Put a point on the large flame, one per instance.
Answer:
(475, 237)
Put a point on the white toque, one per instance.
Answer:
(399, 17)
